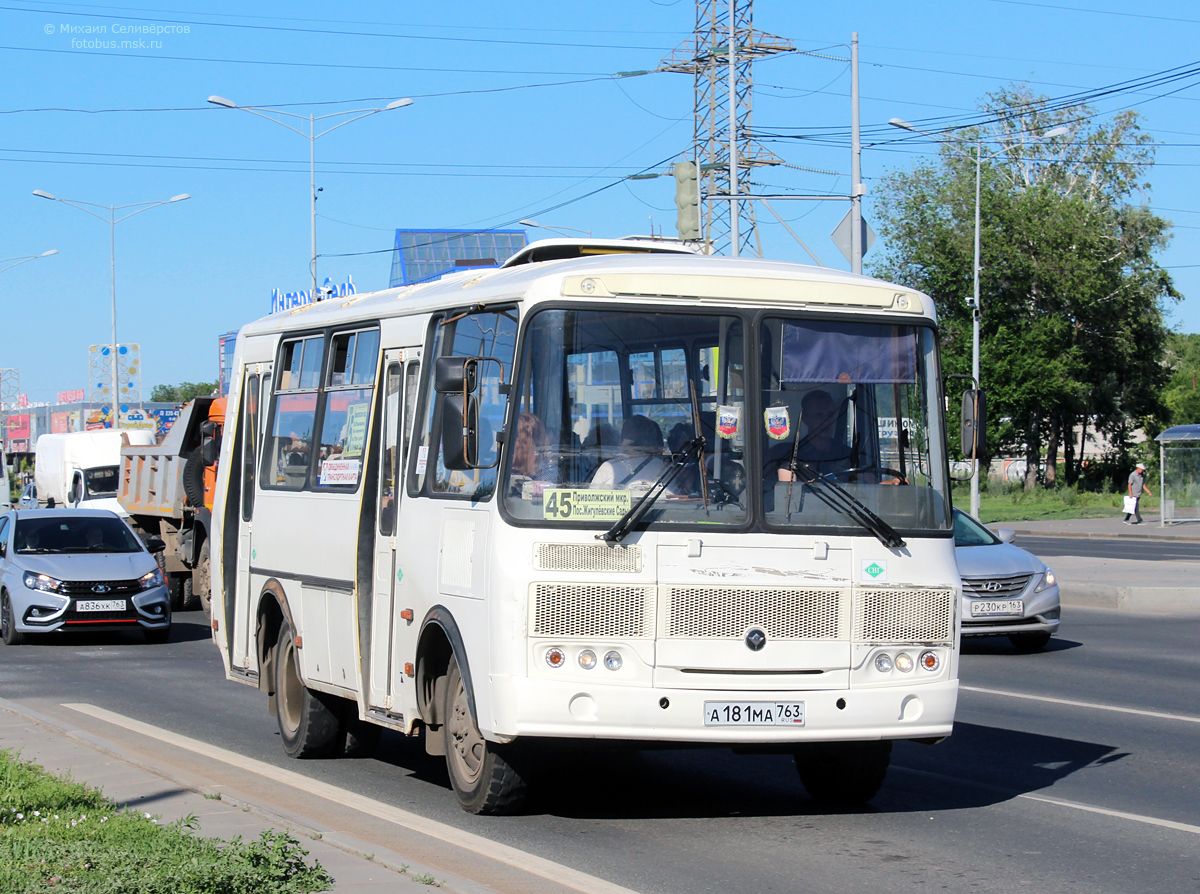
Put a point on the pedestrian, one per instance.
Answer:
(1137, 486)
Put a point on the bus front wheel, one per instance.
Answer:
(482, 773)
(843, 774)
(308, 720)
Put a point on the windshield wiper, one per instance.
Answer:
(692, 451)
(841, 500)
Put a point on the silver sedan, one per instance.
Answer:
(77, 569)
(1007, 591)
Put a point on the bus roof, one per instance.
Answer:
(671, 276)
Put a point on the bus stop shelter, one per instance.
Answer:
(1179, 472)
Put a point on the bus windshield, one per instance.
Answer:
(841, 429)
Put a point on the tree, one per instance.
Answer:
(183, 392)
(1181, 396)
(1071, 296)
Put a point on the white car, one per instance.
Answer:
(1007, 591)
(77, 569)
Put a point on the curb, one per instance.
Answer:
(369, 853)
(1096, 535)
(1149, 600)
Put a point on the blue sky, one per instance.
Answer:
(515, 111)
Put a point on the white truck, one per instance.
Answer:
(82, 469)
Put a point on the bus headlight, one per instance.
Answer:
(587, 659)
(883, 663)
(612, 660)
(904, 662)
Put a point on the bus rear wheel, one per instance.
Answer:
(843, 774)
(308, 720)
(482, 773)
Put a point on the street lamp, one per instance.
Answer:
(112, 220)
(973, 302)
(559, 230)
(16, 261)
(312, 136)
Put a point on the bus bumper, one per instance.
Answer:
(542, 708)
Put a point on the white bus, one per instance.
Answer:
(657, 499)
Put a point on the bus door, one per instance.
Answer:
(393, 637)
(256, 382)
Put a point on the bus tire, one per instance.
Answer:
(308, 720)
(482, 773)
(202, 580)
(843, 774)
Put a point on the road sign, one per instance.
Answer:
(841, 237)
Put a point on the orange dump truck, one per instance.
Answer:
(167, 489)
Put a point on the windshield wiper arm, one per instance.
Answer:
(692, 450)
(841, 500)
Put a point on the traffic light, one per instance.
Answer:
(687, 200)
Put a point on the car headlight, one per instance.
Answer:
(43, 582)
(1048, 581)
(151, 579)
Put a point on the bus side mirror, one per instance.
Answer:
(455, 375)
(460, 431)
(974, 423)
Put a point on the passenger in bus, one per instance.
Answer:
(641, 461)
(530, 461)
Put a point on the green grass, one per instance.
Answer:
(1003, 502)
(58, 835)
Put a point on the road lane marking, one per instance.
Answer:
(511, 856)
(1058, 802)
(1186, 718)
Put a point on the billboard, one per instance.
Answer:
(60, 423)
(425, 255)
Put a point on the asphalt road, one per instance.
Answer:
(1027, 795)
(1112, 548)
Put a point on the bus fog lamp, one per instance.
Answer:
(883, 663)
(556, 657)
(612, 660)
(930, 661)
(587, 659)
(904, 662)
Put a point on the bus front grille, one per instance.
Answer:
(781, 612)
(583, 610)
(587, 557)
(901, 615)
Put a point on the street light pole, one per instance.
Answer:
(312, 136)
(559, 230)
(112, 220)
(18, 261)
(974, 301)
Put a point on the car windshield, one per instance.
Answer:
(968, 532)
(100, 481)
(65, 533)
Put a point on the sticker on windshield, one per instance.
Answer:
(728, 421)
(778, 422)
(584, 504)
(874, 570)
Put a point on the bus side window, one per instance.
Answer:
(289, 446)
(249, 444)
(390, 461)
(489, 334)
